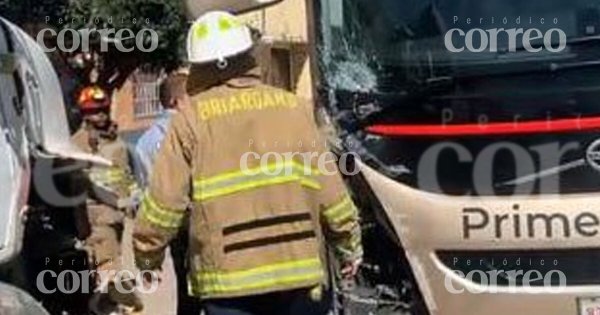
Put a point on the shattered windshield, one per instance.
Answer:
(500, 59)
(400, 78)
(387, 44)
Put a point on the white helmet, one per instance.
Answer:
(215, 36)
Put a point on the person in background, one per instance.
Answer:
(103, 215)
(172, 96)
(257, 234)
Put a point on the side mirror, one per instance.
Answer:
(196, 8)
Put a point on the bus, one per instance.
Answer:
(476, 126)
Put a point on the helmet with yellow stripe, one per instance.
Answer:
(216, 36)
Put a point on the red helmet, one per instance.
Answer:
(93, 98)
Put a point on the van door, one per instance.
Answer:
(45, 113)
(14, 152)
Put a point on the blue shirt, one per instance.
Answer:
(148, 146)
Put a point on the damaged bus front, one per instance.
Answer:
(477, 123)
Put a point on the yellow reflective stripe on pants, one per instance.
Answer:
(340, 211)
(273, 174)
(273, 275)
(159, 216)
(349, 254)
(110, 175)
(351, 247)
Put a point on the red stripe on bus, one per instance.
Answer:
(502, 128)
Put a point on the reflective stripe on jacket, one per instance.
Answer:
(117, 177)
(256, 220)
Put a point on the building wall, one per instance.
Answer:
(123, 111)
(283, 23)
(286, 22)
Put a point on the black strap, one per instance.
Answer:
(286, 238)
(260, 223)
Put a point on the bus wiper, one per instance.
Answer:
(544, 173)
(572, 65)
(582, 40)
(570, 42)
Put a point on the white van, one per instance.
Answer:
(33, 125)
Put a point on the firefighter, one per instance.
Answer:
(98, 135)
(257, 222)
